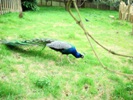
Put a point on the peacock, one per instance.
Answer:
(63, 47)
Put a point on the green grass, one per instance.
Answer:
(124, 90)
(34, 74)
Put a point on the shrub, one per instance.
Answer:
(29, 5)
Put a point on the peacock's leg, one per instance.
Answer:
(69, 59)
(61, 56)
(43, 47)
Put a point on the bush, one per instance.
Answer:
(29, 5)
(49, 85)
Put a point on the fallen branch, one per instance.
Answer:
(79, 22)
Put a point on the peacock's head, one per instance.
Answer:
(79, 55)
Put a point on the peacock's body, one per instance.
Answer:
(60, 46)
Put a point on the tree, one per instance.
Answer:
(29, 5)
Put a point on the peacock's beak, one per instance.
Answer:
(82, 56)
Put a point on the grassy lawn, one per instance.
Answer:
(34, 74)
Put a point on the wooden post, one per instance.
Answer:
(97, 4)
(17, 6)
(128, 11)
(20, 10)
(20, 6)
(122, 10)
(51, 2)
(59, 3)
(7, 5)
(3, 6)
(132, 29)
(11, 4)
(41, 2)
(0, 7)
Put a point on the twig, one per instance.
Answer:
(86, 32)
(82, 3)
(79, 22)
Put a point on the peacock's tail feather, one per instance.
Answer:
(16, 43)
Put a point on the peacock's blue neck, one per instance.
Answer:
(75, 53)
(72, 51)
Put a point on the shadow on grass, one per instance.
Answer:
(34, 53)
(40, 54)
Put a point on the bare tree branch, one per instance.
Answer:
(79, 22)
